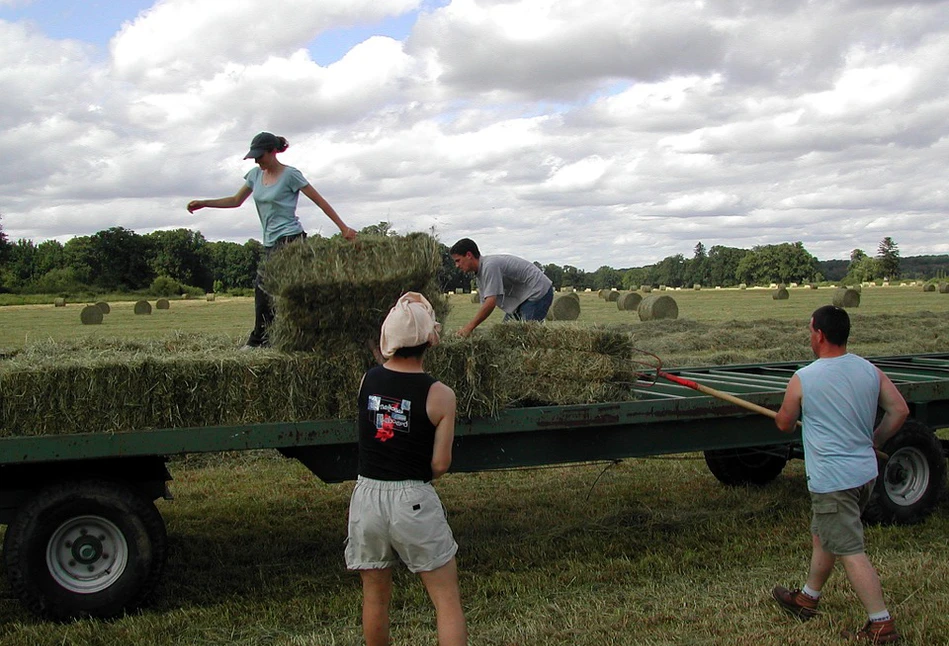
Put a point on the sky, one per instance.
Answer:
(564, 131)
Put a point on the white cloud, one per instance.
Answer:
(561, 130)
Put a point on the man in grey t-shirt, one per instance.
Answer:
(515, 285)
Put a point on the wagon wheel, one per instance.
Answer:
(911, 482)
(755, 465)
(84, 548)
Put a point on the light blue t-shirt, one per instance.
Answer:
(277, 204)
(512, 280)
(839, 400)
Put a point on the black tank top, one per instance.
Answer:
(396, 438)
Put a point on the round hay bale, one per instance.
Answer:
(813, 285)
(565, 308)
(742, 286)
(645, 289)
(572, 295)
(210, 296)
(944, 288)
(102, 305)
(459, 290)
(629, 301)
(143, 307)
(475, 298)
(612, 296)
(162, 304)
(59, 302)
(697, 286)
(655, 307)
(780, 294)
(846, 297)
(929, 287)
(186, 296)
(90, 315)
(602, 293)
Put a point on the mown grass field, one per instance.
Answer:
(646, 551)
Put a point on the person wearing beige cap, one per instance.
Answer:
(276, 188)
(406, 430)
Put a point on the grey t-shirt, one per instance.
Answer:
(511, 280)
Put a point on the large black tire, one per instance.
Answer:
(911, 481)
(757, 465)
(84, 549)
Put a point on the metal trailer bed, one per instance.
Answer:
(85, 539)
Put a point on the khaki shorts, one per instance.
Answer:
(836, 521)
(389, 521)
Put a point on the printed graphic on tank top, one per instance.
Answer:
(391, 416)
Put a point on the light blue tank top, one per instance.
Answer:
(277, 204)
(839, 405)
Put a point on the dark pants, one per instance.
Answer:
(263, 302)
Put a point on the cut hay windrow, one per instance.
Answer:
(329, 288)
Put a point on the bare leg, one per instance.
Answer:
(442, 587)
(376, 595)
(822, 564)
(863, 577)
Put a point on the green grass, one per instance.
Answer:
(646, 551)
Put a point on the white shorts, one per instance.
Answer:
(393, 520)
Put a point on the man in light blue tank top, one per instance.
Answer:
(837, 397)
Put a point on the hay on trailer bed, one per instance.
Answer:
(330, 289)
(193, 381)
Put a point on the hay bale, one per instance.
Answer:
(780, 294)
(629, 301)
(209, 297)
(59, 302)
(186, 296)
(573, 295)
(102, 305)
(612, 296)
(655, 307)
(475, 298)
(846, 297)
(143, 307)
(566, 307)
(602, 293)
(944, 288)
(162, 304)
(813, 286)
(929, 287)
(645, 289)
(742, 286)
(697, 286)
(330, 288)
(90, 315)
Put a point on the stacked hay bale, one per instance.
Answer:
(655, 307)
(329, 289)
(846, 297)
(199, 380)
(566, 307)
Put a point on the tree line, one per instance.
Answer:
(179, 260)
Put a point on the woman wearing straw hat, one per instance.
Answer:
(276, 188)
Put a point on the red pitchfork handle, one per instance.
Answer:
(694, 385)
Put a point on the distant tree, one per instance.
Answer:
(4, 244)
(120, 260)
(49, 256)
(697, 269)
(723, 265)
(670, 271)
(575, 277)
(21, 264)
(607, 278)
(450, 277)
(381, 229)
(781, 263)
(889, 256)
(180, 254)
(233, 265)
(555, 274)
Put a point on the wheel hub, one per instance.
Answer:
(87, 554)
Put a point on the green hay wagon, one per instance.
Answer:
(84, 537)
